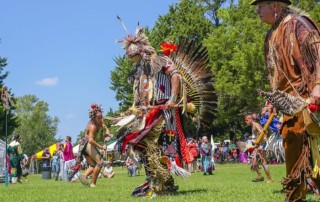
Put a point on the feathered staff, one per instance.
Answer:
(264, 130)
(291, 105)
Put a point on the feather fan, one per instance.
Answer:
(284, 102)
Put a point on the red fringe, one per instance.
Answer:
(150, 118)
(182, 139)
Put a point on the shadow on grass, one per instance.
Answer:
(278, 192)
(184, 192)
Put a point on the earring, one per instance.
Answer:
(275, 16)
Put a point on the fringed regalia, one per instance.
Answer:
(258, 157)
(292, 51)
(149, 127)
(15, 152)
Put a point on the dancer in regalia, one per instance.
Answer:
(163, 87)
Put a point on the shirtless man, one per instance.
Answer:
(90, 148)
(259, 156)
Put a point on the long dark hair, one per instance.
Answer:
(16, 137)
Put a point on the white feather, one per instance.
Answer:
(126, 120)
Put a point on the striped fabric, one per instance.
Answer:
(163, 86)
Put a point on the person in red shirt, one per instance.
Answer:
(192, 148)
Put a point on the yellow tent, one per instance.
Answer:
(51, 149)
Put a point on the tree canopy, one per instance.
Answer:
(36, 128)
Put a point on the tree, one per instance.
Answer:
(212, 7)
(186, 19)
(236, 54)
(119, 83)
(79, 137)
(310, 6)
(37, 128)
(11, 119)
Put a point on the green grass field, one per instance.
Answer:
(230, 182)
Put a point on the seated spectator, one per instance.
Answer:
(108, 171)
(132, 167)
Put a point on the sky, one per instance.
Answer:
(63, 51)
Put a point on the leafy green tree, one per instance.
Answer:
(310, 6)
(11, 119)
(211, 9)
(236, 54)
(185, 19)
(119, 83)
(79, 137)
(37, 128)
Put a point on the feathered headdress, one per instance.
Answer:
(94, 109)
(136, 44)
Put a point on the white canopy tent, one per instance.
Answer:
(110, 147)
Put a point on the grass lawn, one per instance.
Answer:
(230, 182)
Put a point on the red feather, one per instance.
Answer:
(94, 106)
(168, 48)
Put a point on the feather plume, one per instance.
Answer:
(123, 25)
(125, 120)
(193, 63)
(175, 169)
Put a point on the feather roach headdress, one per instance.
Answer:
(94, 109)
(136, 44)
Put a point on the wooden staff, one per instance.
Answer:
(265, 128)
(104, 155)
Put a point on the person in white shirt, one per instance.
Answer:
(108, 171)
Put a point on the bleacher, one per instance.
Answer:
(2, 160)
